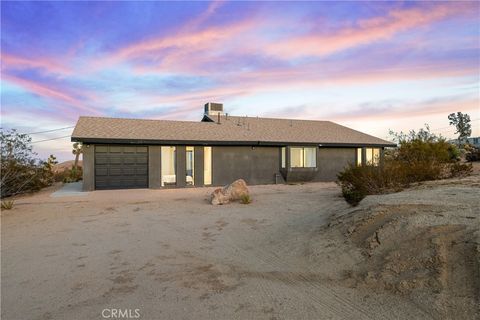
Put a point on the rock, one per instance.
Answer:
(219, 197)
(232, 192)
(236, 190)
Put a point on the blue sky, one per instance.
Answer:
(373, 66)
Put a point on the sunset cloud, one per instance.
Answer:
(11, 62)
(380, 64)
(367, 30)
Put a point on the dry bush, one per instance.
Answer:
(69, 175)
(472, 153)
(21, 171)
(421, 156)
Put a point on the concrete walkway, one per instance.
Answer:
(72, 189)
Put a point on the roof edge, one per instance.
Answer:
(224, 143)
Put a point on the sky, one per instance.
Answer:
(372, 66)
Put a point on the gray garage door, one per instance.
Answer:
(121, 167)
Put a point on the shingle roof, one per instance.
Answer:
(231, 130)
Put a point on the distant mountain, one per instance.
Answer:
(65, 165)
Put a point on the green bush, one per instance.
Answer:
(359, 181)
(7, 204)
(72, 175)
(246, 199)
(421, 156)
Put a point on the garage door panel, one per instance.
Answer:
(101, 171)
(115, 149)
(115, 159)
(101, 159)
(128, 171)
(140, 171)
(129, 159)
(143, 181)
(115, 171)
(121, 167)
(101, 149)
(142, 160)
(129, 149)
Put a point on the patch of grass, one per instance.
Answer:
(246, 199)
(7, 204)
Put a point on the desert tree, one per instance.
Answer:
(461, 121)
(77, 151)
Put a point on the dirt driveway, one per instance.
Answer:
(171, 255)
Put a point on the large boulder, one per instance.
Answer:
(237, 190)
(219, 197)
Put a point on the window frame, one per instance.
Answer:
(172, 153)
(359, 159)
(303, 157)
(207, 166)
(374, 154)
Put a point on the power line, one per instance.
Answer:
(51, 130)
(50, 139)
(453, 127)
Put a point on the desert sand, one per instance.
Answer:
(295, 252)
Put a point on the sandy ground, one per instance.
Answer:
(296, 252)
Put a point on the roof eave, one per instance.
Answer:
(216, 142)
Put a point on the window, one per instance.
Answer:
(359, 156)
(284, 157)
(190, 166)
(169, 176)
(310, 157)
(207, 165)
(303, 157)
(372, 156)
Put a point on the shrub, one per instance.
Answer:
(7, 204)
(472, 153)
(458, 169)
(359, 181)
(421, 156)
(20, 171)
(72, 175)
(246, 199)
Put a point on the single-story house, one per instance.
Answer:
(135, 153)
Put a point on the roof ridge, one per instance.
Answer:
(138, 119)
(213, 117)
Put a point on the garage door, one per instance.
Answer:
(121, 167)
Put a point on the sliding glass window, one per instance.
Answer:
(284, 157)
(169, 177)
(359, 156)
(372, 156)
(303, 157)
(207, 166)
(190, 166)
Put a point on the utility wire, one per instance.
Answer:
(51, 130)
(450, 126)
(50, 139)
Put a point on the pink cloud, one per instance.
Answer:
(421, 109)
(51, 93)
(11, 62)
(366, 31)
